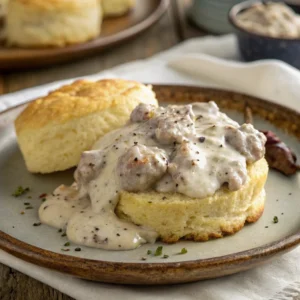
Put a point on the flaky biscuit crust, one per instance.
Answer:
(177, 216)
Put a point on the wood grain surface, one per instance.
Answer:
(163, 35)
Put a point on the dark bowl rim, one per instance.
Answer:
(237, 8)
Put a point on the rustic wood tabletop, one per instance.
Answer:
(171, 29)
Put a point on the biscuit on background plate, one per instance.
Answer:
(114, 8)
(56, 23)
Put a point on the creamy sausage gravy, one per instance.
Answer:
(192, 149)
(271, 19)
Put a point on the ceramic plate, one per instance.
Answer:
(252, 246)
(113, 32)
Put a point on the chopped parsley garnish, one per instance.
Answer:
(275, 219)
(183, 251)
(26, 203)
(158, 251)
(77, 249)
(149, 252)
(59, 230)
(64, 234)
(165, 256)
(143, 258)
(20, 191)
(29, 207)
(67, 244)
(37, 224)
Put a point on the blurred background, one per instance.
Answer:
(146, 28)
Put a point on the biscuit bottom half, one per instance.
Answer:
(175, 216)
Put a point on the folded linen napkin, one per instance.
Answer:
(279, 279)
(269, 79)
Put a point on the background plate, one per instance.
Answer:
(248, 248)
(113, 31)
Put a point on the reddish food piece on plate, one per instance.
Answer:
(278, 155)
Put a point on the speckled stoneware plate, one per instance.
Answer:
(252, 246)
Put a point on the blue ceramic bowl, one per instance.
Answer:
(212, 15)
(254, 46)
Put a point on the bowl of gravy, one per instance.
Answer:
(267, 30)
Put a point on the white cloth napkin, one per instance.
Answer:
(270, 79)
(279, 279)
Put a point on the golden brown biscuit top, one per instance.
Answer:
(55, 4)
(80, 98)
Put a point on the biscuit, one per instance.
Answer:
(53, 131)
(56, 23)
(116, 7)
(176, 216)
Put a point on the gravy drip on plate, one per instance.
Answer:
(192, 149)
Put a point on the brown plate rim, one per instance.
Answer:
(29, 56)
(71, 264)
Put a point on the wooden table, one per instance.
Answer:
(169, 31)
